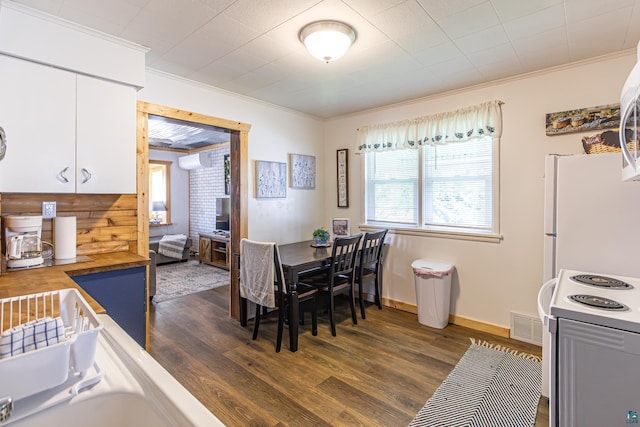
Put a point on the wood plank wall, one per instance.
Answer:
(105, 222)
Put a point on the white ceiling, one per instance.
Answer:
(405, 49)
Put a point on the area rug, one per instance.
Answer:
(183, 278)
(490, 386)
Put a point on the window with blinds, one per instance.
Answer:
(392, 186)
(457, 185)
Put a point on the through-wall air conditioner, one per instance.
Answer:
(195, 161)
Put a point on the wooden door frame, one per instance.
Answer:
(239, 190)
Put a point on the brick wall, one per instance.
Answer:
(205, 186)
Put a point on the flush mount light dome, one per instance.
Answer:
(327, 40)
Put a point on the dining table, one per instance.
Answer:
(296, 259)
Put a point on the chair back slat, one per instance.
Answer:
(371, 250)
(343, 256)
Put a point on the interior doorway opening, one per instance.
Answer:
(238, 172)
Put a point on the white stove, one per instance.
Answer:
(594, 330)
(600, 299)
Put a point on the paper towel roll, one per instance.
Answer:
(64, 235)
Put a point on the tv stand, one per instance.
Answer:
(214, 250)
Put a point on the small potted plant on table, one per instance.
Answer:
(321, 236)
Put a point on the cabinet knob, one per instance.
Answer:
(60, 177)
(86, 174)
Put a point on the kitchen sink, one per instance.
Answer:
(134, 391)
(107, 410)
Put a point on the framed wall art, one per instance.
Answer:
(227, 174)
(340, 227)
(271, 179)
(303, 171)
(342, 157)
(583, 119)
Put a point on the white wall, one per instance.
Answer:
(491, 279)
(275, 132)
(179, 196)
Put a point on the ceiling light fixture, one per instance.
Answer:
(327, 40)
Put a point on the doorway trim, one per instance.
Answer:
(238, 149)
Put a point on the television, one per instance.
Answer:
(222, 214)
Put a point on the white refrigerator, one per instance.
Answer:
(591, 224)
(591, 217)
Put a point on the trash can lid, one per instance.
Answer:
(436, 268)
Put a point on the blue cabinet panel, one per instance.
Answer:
(123, 294)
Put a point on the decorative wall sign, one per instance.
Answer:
(271, 179)
(303, 171)
(227, 174)
(342, 157)
(340, 227)
(583, 120)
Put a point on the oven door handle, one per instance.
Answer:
(544, 297)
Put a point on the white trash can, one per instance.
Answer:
(433, 291)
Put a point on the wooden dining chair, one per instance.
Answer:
(339, 276)
(370, 266)
(258, 279)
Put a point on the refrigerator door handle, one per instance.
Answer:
(551, 234)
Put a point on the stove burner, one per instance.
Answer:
(601, 281)
(598, 302)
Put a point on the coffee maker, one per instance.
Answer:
(22, 235)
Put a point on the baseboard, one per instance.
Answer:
(400, 305)
(500, 331)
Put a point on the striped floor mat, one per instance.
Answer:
(488, 387)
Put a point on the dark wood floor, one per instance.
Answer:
(378, 373)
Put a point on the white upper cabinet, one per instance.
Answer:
(37, 113)
(65, 132)
(106, 137)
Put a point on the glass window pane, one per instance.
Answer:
(458, 184)
(392, 186)
(159, 190)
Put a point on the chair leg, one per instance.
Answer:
(256, 322)
(378, 287)
(314, 317)
(352, 302)
(361, 299)
(332, 315)
(281, 312)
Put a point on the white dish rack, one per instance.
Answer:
(37, 370)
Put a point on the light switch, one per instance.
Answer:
(48, 209)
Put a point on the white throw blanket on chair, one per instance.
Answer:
(257, 272)
(172, 245)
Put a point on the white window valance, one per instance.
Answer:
(464, 124)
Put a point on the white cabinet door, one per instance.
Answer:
(37, 112)
(106, 137)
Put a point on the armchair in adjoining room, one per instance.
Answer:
(154, 244)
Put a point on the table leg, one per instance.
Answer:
(294, 319)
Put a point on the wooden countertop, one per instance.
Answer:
(15, 283)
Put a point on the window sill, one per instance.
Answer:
(154, 224)
(475, 237)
